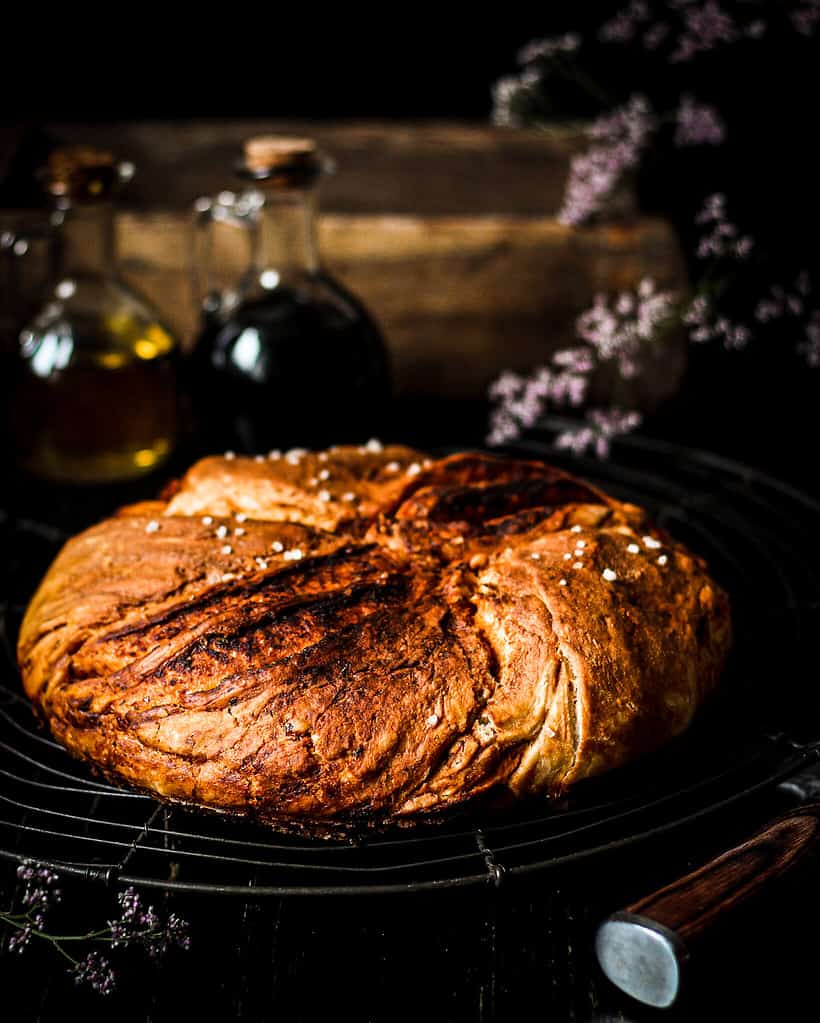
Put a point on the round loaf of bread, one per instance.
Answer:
(365, 634)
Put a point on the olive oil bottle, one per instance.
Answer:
(94, 372)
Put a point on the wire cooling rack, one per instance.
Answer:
(758, 535)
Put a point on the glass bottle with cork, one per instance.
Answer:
(287, 357)
(94, 388)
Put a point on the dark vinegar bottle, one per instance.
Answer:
(290, 357)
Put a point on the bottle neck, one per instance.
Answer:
(84, 242)
(286, 237)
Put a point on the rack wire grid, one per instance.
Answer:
(758, 536)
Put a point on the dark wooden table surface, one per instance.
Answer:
(451, 955)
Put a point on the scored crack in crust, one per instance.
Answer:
(366, 634)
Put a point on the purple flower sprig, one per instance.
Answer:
(722, 246)
(783, 300)
(690, 28)
(39, 895)
(602, 426)
(726, 307)
(705, 324)
(96, 971)
(683, 30)
(791, 302)
(137, 925)
(522, 400)
(617, 331)
(627, 24)
(720, 238)
(698, 124)
(705, 27)
(618, 141)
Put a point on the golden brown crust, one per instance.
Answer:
(365, 633)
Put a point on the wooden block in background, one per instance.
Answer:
(459, 298)
(446, 231)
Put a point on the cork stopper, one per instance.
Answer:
(81, 173)
(263, 152)
(282, 159)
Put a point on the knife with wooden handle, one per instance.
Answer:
(643, 950)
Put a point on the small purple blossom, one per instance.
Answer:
(698, 124)
(780, 302)
(624, 126)
(697, 312)
(503, 427)
(568, 388)
(593, 176)
(506, 386)
(619, 139)
(34, 872)
(96, 971)
(706, 325)
(705, 27)
(743, 246)
(21, 938)
(139, 924)
(617, 331)
(722, 240)
(523, 400)
(766, 310)
(600, 429)
(178, 932)
(574, 360)
(734, 335)
(133, 911)
(624, 26)
(714, 208)
(40, 893)
(620, 29)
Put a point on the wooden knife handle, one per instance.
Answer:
(644, 948)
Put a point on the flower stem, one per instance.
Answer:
(569, 68)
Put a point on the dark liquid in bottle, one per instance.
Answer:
(300, 367)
